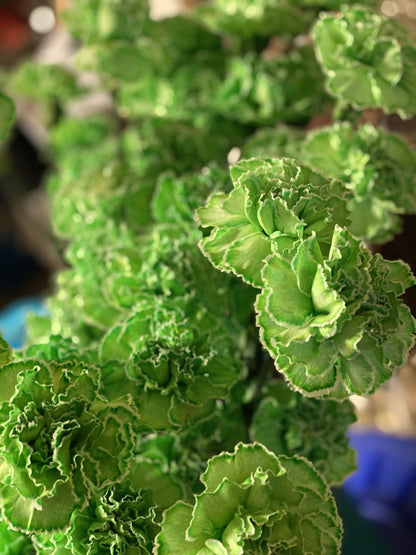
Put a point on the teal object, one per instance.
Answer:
(13, 319)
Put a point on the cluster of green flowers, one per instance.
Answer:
(65, 449)
(131, 422)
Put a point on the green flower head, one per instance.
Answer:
(254, 503)
(368, 60)
(289, 423)
(282, 141)
(182, 360)
(333, 323)
(106, 20)
(120, 521)
(60, 438)
(378, 167)
(274, 205)
(260, 91)
(44, 82)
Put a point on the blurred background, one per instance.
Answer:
(378, 502)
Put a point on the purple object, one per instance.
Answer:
(384, 486)
(386, 467)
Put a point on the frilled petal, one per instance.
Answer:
(5, 352)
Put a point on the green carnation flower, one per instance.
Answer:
(83, 146)
(60, 438)
(260, 91)
(159, 144)
(106, 20)
(176, 198)
(334, 323)
(120, 520)
(274, 204)
(331, 5)
(95, 201)
(183, 359)
(163, 261)
(274, 142)
(368, 60)
(288, 423)
(169, 465)
(44, 83)
(188, 89)
(254, 502)
(378, 167)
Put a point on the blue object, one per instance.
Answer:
(384, 486)
(13, 319)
